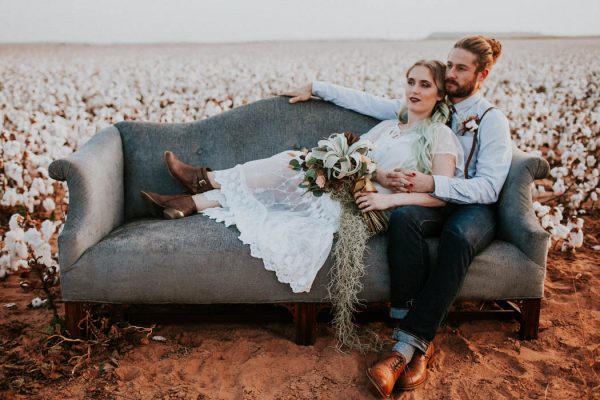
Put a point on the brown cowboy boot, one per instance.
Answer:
(195, 179)
(169, 206)
(384, 374)
(416, 373)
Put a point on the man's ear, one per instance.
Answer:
(484, 74)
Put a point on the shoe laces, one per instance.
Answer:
(397, 363)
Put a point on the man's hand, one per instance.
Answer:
(373, 201)
(406, 181)
(299, 94)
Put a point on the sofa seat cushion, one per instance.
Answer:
(195, 260)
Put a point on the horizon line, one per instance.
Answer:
(516, 36)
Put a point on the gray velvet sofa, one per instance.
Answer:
(112, 251)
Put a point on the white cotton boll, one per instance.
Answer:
(39, 185)
(12, 150)
(49, 187)
(576, 238)
(594, 196)
(590, 160)
(33, 237)
(48, 228)
(44, 251)
(576, 199)
(36, 302)
(5, 261)
(540, 209)
(20, 250)
(579, 171)
(49, 204)
(10, 198)
(15, 222)
(559, 231)
(211, 109)
(547, 221)
(559, 187)
(557, 215)
(14, 236)
(14, 171)
(3, 272)
(579, 223)
(20, 264)
(30, 203)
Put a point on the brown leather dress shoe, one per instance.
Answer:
(416, 373)
(169, 206)
(383, 375)
(195, 179)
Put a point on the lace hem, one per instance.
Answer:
(294, 243)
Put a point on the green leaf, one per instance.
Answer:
(311, 174)
(317, 193)
(295, 163)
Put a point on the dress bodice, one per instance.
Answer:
(393, 147)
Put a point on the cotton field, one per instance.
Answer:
(54, 97)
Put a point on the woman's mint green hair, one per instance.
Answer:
(426, 130)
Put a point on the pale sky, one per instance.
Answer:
(157, 21)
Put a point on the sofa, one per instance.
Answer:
(111, 250)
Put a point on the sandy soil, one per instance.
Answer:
(474, 360)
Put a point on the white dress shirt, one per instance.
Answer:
(491, 160)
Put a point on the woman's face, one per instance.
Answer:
(421, 92)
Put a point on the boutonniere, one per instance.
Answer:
(470, 124)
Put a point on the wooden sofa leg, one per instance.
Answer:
(74, 312)
(530, 319)
(305, 319)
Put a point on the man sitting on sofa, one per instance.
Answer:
(421, 294)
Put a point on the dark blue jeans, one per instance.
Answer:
(429, 290)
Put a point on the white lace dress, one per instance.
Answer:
(289, 229)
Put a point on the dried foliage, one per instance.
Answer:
(346, 277)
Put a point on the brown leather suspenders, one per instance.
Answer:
(474, 144)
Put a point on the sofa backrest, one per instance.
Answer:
(257, 130)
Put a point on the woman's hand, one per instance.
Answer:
(299, 94)
(388, 179)
(373, 201)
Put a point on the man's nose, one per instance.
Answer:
(450, 73)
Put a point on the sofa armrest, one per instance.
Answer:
(94, 176)
(517, 221)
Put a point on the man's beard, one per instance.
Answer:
(461, 91)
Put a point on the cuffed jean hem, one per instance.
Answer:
(398, 313)
(403, 336)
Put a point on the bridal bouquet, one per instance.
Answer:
(340, 164)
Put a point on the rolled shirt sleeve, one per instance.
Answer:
(356, 100)
(491, 163)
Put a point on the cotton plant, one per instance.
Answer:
(22, 243)
(569, 235)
